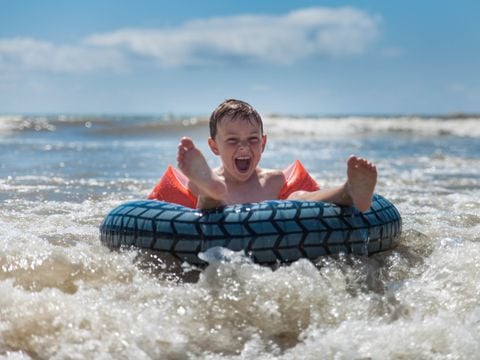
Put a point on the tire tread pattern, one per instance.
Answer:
(269, 232)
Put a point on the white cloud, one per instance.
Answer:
(41, 55)
(270, 39)
(281, 39)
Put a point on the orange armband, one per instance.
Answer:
(172, 188)
(297, 178)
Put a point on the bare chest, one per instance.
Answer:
(254, 191)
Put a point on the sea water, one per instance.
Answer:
(65, 296)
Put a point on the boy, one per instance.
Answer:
(236, 135)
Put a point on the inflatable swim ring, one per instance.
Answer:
(269, 232)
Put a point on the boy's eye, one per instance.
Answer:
(235, 141)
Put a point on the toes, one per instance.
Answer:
(186, 143)
(352, 160)
(361, 163)
(356, 162)
(369, 165)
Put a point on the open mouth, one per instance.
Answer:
(243, 163)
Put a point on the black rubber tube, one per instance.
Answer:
(269, 232)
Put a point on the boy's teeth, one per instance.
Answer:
(242, 163)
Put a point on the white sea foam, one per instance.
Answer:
(64, 295)
(275, 125)
(9, 124)
(367, 126)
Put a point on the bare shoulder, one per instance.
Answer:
(272, 177)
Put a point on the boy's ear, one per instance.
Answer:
(213, 146)
(264, 141)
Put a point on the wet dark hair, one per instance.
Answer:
(235, 110)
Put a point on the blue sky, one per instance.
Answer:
(291, 57)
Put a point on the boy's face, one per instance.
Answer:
(240, 144)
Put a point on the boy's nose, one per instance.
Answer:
(243, 144)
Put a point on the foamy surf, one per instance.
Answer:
(64, 295)
(366, 126)
(319, 126)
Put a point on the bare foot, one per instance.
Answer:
(362, 178)
(192, 163)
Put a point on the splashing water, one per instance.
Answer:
(63, 295)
